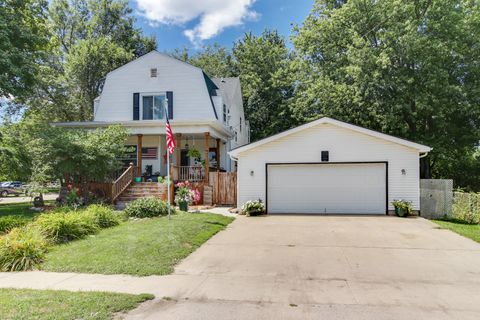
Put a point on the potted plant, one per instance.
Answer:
(253, 208)
(402, 207)
(183, 195)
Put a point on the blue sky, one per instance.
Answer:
(191, 23)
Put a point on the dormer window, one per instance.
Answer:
(153, 106)
(153, 73)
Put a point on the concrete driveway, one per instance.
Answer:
(317, 267)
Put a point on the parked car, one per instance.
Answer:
(11, 188)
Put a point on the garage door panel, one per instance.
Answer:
(327, 188)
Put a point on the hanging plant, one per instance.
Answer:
(194, 153)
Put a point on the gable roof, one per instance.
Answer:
(325, 120)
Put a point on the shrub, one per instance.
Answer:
(253, 208)
(146, 208)
(103, 216)
(9, 222)
(466, 207)
(61, 226)
(22, 249)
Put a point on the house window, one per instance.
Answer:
(153, 73)
(235, 136)
(153, 107)
(224, 113)
(129, 156)
(240, 124)
(325, 156)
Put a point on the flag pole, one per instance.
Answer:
(168, 182)
(168, 162)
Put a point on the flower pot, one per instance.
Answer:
(138, 179)
(183, 205)
(401, 212)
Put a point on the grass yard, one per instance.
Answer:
(15, 215)
(137, 247)
(16, 209)
(471, 231)
(29, 304)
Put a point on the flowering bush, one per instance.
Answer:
(253, 208)
(184, 193)
(196, 196)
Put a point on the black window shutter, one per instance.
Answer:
(136, 106)
(170, 104)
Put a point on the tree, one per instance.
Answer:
(23, 39)
(86, 67)
(34, 151)
(263, 63)
(407, 68)
(214, 59)
(89, 39)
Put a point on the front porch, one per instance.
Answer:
(148, 153)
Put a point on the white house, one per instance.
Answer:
(205, 114)
(329, 167)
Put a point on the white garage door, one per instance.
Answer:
(327, 188)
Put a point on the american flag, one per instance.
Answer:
(171, 144)
(149, 153)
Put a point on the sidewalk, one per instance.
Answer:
(10, 200)
(160, 286)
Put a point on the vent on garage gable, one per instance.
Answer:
(325, 156)
(153, 73)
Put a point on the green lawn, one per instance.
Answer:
(15, 215)
(138, 247)
(471, 231)
(29, 304)
(17, 209)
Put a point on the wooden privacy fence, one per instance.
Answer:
(224, 187)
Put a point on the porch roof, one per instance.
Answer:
(214, 127)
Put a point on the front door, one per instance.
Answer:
(184, 158)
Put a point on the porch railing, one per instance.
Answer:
(123, 181)
(190, 173)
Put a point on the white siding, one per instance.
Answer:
(191, 100)
(344, 146)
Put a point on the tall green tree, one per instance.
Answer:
(89, 39)
(215, 60)
(32, 150)
(23, 38)
(408, 68)
(263, 63)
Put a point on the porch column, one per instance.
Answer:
(178, 137)
(207, 164)
(218, 155)
(139, 153)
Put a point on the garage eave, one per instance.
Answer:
(325, 120)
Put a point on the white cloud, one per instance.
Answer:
(213, 15)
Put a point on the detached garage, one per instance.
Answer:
(329, 167)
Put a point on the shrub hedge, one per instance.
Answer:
(466, 207)
(147, 208)
(22, 249)
(103, 216)
(63, 227)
